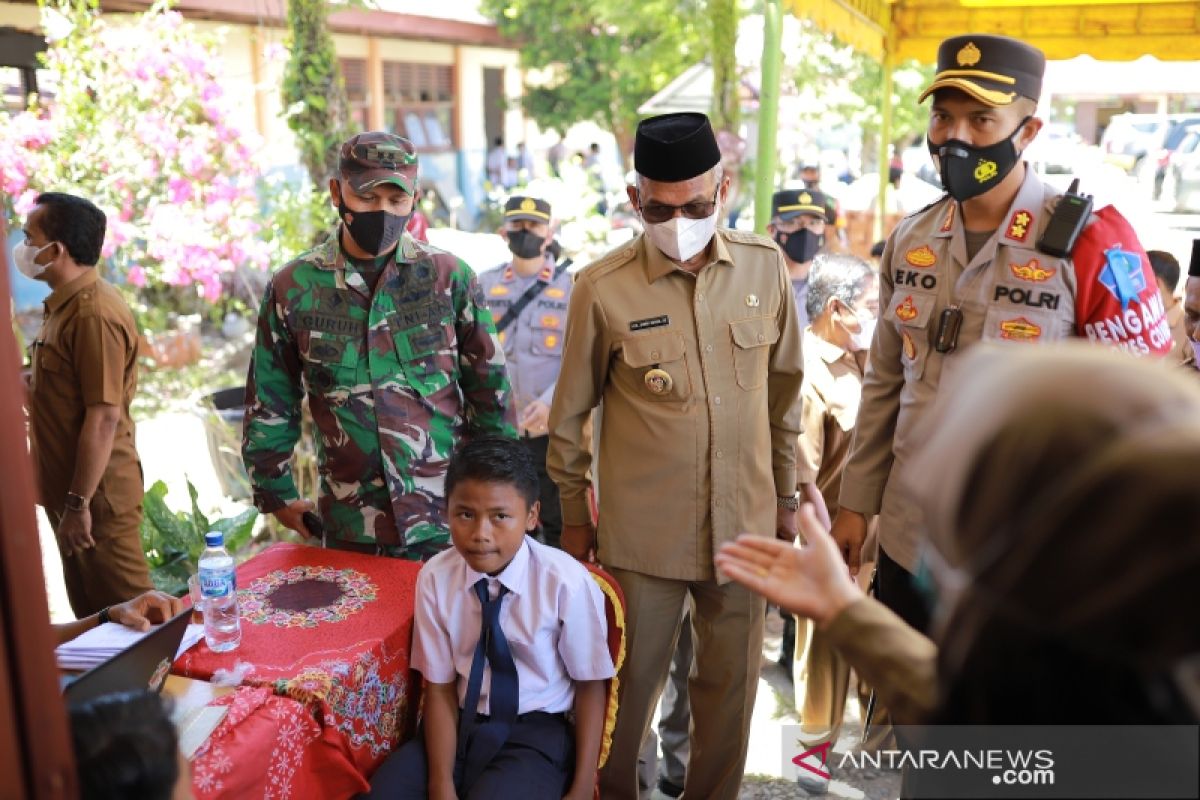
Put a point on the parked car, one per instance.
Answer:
(1056, 150)
(1158, 160)
(1181, 182)
(1130, 138)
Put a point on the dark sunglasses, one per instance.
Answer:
(658, 212)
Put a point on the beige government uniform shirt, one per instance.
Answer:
(700, 381)
(1010, 293)
(84, 355)
(831, 391)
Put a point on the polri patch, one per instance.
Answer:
(652, 322)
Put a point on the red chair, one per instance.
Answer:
(614, 613)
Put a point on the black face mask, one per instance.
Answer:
(801, 246)
(373, 231)
(525, 244)
(970, 171)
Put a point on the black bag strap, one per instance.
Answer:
(530, 295)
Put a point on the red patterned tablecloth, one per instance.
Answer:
(271, 747)
(332, 630)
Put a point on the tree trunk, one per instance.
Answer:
(723, 17)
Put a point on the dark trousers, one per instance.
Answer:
(536, 763)
(548, 494)
(896, 590)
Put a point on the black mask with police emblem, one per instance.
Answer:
(970, 171)
(525, 244)
(373, 231)
(801, 246)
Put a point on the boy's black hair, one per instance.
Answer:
(494, 459)
(75, 222)
(125, 747)
(1165, 267)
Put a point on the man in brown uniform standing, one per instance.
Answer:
(689, 336)
(84, 374)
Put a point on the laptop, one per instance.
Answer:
(143, 665)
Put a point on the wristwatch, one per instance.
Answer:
(76, 502)
(103, 616)
(790, 503)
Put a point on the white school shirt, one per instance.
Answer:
(552, 616)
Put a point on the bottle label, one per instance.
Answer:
(217, 582)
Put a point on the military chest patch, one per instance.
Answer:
(651, 322)
(427, 310)
(331, 323)
(327, 351)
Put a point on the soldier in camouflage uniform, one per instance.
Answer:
(392, 343)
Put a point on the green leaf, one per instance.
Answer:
(237, 530)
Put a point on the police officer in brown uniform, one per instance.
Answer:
(84, 375)
(984, 262)
(689, 336)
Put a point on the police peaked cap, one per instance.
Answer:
(995, 70)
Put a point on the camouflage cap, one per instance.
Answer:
(369, 159)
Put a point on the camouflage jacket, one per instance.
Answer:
(394, 381)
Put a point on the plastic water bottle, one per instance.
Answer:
(218, 586)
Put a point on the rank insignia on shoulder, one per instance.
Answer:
(948, 222)
(1018, 226)
(658, 381)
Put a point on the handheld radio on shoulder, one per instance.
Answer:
(1066, 223)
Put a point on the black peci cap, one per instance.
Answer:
(992, 69)
(675, 147)
(1194, 266)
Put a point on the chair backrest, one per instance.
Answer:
(614, 613)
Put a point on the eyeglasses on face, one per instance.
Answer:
(659, 212)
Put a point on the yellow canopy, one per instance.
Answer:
(1108, 30)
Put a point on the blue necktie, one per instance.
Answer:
(478, 744)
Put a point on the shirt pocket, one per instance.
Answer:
(49, 367)
(752, 340)
(427, 356)
(657, 365)
(546, 341)
(910, 312)
(333, 365)
(1010, 324)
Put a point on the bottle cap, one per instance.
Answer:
(214, 539)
